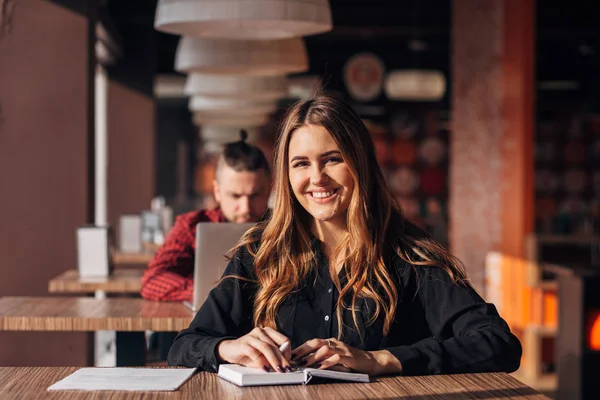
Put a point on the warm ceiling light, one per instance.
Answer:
(231, 106)
(237, 86)
(415, 85)
(225, 134)
(245, 57)
(243, 19)
(248, 112)
(201, 118)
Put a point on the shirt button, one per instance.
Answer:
(327, 318)
(329, 290)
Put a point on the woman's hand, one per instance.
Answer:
(332, 353)
(258, 349)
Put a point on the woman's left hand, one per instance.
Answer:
(333, 352)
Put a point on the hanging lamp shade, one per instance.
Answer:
(237, 86)
(415, 85)
(210, 148)
(243, 121)
(230, 106)
(239, 113)
(225, 134)
(243, 19)
(246, 57)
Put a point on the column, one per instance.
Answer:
(491, 165)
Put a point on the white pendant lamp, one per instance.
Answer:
(242, 57)
(243, 19)
(237, 86)
(415, 85)
(210, 148)
(201, 118)
(225, 134)
(231, 106)
(241, 113)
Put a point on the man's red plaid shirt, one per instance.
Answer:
(169, 276)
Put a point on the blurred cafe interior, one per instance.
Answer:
(485, 116)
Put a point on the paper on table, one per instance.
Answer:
(129, 379)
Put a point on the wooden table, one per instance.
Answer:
(31, 382)
(132, 258)
(85, 314)
(129, 317)
(123, 280)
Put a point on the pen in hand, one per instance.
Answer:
(284, 346)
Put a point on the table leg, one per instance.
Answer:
(165, 341)
(131, 349)
(104, 343)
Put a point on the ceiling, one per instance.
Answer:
(567, 43)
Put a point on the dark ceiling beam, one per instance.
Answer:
(388, 31)
(568, 33)
(366, 31)
(79, 6)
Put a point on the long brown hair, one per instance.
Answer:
(285, 256)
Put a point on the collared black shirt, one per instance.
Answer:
(440, 326)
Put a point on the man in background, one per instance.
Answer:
(241, 189)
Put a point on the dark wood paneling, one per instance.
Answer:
(44, 78)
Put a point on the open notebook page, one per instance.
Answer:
(245, 376)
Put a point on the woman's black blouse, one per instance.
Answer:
(440, 327)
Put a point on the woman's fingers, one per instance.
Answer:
(276, 341)
(262, 335)
(335, 355)
(308, 347)
(324, 352)
(256, 358)
(279, 339)
(338, 367)
(335, 363)
(314, 345)
(270, 353)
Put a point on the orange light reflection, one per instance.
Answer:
(594, 330)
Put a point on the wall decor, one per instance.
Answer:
(363, 76)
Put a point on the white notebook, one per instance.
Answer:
(246, 376)
(129, 379)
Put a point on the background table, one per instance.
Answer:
(84, 314)
(31, 382)
(125, 282)
(129, 317)
(132, 258)
(122, 281)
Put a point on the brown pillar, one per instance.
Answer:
(491, 166)
(131, 151)
(44, 95)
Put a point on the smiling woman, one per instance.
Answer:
(319, 177)
(339, 273)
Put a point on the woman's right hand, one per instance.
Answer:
(258, 349)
